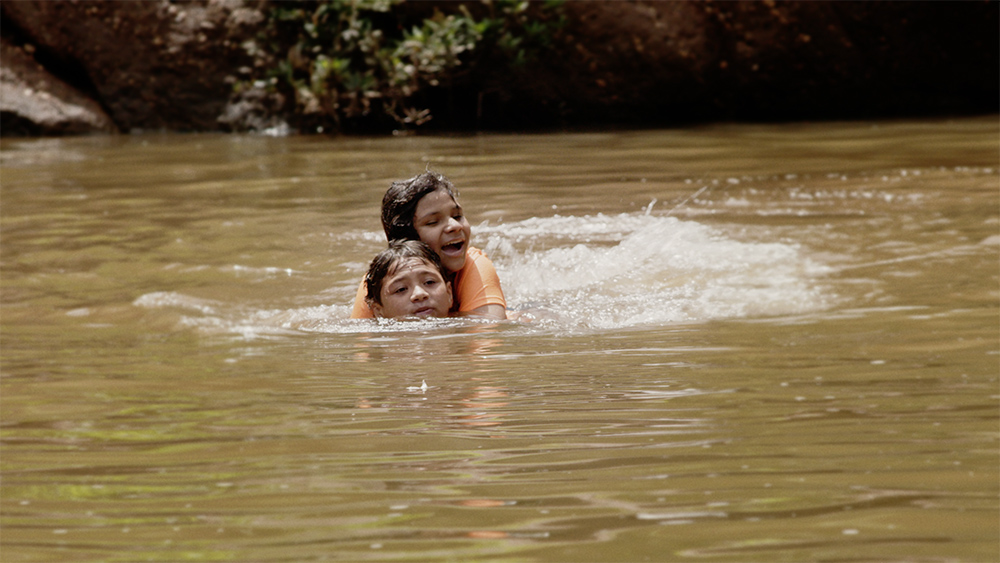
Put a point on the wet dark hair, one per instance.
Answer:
(400, 203)
(385, 264)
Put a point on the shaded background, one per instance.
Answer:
(96, 66)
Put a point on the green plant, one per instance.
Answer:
(348, 62)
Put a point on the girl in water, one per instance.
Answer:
(425, 208)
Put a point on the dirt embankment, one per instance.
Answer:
(98, 66)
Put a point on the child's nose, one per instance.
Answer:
(418, 294)
(452, 225)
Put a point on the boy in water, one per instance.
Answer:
(425, 208)
(407, 280)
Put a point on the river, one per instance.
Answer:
(738, 343)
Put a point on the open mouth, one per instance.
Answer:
(453, 248)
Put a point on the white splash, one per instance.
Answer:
(595, 272)
(635, 269)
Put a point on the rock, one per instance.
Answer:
(174, 66)
(654, 62)
(152, 64)
(255, 109)
(33, 102)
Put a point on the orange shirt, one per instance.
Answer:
(476, 284)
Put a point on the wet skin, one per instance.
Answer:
(441, 224)
(414, 288)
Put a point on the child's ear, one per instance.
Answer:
(376, 309)
(451, 299)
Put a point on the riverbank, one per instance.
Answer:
(99, 67)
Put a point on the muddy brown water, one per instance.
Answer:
(744, 343)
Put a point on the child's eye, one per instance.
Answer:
(400, 289)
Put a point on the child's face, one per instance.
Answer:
(440, 223)
(414, 289)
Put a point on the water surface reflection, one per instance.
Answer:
(747, 343)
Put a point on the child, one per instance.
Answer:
(424, 208)
(407, 280)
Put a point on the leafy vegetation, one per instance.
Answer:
(348, 64)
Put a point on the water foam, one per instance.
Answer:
(635, 269)
(582, 272)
